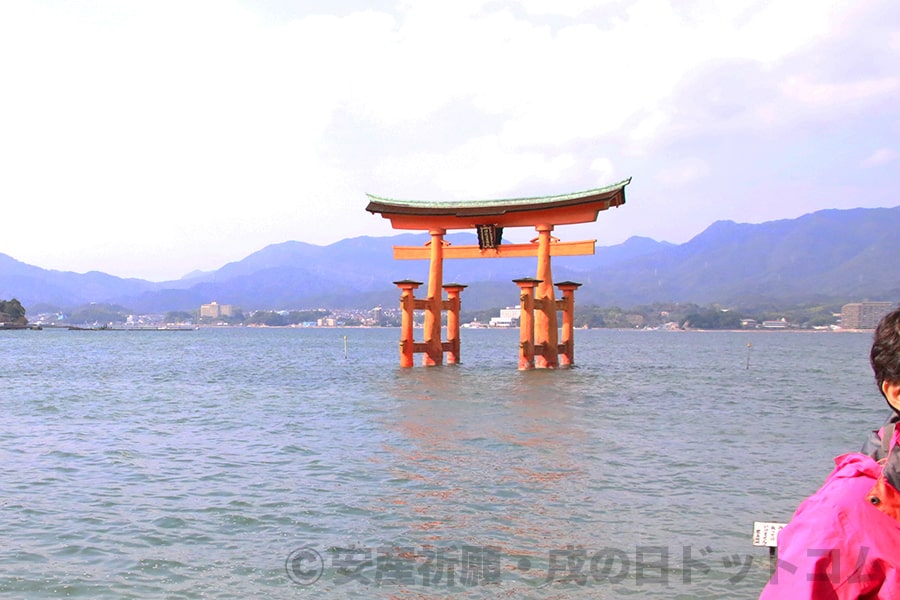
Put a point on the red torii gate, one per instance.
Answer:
(539, 344)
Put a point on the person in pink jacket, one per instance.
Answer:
(843, 542)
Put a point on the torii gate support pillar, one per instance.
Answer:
(452, 305)
(526, 322)
(407, 306)
(567, 306)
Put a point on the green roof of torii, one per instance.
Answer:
(377, 204)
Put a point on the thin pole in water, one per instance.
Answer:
(345, 346)
(749, 345)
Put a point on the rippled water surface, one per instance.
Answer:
(252, 463)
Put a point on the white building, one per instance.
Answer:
(509, 317)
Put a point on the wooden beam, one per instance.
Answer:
(567, 215)
(502, 251)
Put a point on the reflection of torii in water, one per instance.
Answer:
(539, 345)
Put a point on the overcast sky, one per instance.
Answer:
(149, 139)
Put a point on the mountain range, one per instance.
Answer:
(826, 256)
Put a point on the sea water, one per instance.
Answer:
(304, 463)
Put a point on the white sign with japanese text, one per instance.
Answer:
(765, 533)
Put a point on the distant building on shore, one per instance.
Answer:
(214, 310)
(509, 317)
(864, 315)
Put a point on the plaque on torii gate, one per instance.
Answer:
(539, 337)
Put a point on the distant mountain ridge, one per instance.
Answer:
(829, 255)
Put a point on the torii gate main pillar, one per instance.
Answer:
(434, 352)
(545, 323)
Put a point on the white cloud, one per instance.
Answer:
(603, 167)
(776, 29)
(684, 172)
(818, 94)
(480, 168)
(879, 157)
(567, 8)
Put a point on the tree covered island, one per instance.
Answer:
(12, 315)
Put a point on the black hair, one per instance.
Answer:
(885, 354)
